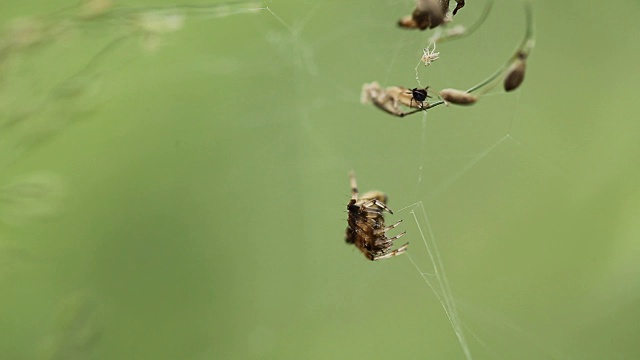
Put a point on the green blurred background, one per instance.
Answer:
(182, 196)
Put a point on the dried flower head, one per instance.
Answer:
(389, 99)
(374, 93)
(428, 14)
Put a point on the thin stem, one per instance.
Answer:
(471, 29)
(487, 84)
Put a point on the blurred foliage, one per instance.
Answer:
(173, 179)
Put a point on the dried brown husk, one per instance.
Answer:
(458, 97)
(390, 98)
(373, 93)
(515, 75)
(428, 14)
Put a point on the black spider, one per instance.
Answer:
(419, 95)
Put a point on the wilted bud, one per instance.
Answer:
(515, 76)
(458, 97)
(428, 14)
(407, 22)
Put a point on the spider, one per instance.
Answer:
(389, 99)
(366, 228)
(419, 95)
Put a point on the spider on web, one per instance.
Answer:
(366, 229)
(419, 96)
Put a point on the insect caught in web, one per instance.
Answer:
(429, 54)
(366, 229)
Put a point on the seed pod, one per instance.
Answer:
(433, 11)
(407, 22)
(428, 14)
(515, 76)
(430, 5)
(458, 97)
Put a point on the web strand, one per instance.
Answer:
(446, 298)
(441, 287)
(423, 142)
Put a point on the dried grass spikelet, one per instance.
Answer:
(458, 97)
(441, 6)
(515, 74)
(390, 98)
(373, 93)
(428, 14)
(402, 95)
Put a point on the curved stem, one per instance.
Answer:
(471, 29)
(522, 52)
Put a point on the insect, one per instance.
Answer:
(429, 54)
(366, 229)
(419, 95)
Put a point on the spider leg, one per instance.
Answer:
(399, 251)
(413, 99)
(372, 216)
(397, 236)
(384, 230)
(354, 185)
(376, 203)
(388, 242)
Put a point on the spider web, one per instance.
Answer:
(435, 277)
(219, 189)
